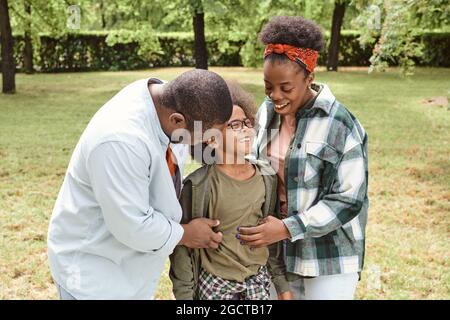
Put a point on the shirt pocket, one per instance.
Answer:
(321, 161)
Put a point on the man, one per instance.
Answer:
(116, 218)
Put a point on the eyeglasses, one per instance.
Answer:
(237, 125)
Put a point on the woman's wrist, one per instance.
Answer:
(285, 232)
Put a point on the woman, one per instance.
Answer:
(319, 151)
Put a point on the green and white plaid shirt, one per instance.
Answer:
(326, 177)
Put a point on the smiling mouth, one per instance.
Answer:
(281, 106)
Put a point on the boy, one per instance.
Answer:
(235, 192)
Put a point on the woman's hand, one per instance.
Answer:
(270, 230)
(287, 295)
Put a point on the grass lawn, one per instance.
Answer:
(409, 219)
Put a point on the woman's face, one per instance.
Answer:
(286, 85)
(237, 142)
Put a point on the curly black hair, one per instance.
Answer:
(240, 98)
(243, 99)
(295, 31)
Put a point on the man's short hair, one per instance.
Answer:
(200, 95)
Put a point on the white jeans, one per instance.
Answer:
(334, 287)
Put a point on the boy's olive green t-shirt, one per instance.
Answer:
(235, 203)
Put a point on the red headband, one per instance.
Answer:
(304, 56)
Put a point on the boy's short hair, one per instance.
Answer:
(200, 95)
(242, 99)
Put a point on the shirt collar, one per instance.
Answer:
(163, 138)
(325, 98)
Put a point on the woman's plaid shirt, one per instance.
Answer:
(326, 176)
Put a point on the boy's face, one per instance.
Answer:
(286, 85)
(237, 138)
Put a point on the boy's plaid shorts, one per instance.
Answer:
(256, 287)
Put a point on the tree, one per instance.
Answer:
(396, 38)
(30, 17)
(28, 48)
(198, 22)
(181, 15)
(243, 19)
(198, 10)
(8, 63)
(336, 25)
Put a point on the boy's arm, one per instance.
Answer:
(342, 204)
(275, 264)
(277, 267)
(181, 267)
(181, 273)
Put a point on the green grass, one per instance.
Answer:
(408, 231)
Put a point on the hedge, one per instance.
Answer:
(88, 51)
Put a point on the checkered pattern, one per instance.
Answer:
(326, 176)
(256, 287)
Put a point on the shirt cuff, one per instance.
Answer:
(296, 227)
(176, 234)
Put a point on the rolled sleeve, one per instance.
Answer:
(119, 176)
(341, 205)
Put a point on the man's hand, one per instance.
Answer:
(270, 230)
(287, 295)
(198, 233)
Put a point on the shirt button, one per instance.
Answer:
(299, 145)
(296, 179)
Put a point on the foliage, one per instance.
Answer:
(402, 23)
(145, 38)
(120, 50)
(136, 27)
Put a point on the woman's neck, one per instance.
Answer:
(310, 94)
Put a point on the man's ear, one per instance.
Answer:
(178, 120)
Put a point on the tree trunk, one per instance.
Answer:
(102, 14)
(333, 49)
(28, 49)
(8, 64)
(201, 54)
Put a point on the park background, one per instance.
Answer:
(388, 61)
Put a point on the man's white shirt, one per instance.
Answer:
(116, 218)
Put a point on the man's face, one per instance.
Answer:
(198, 135)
